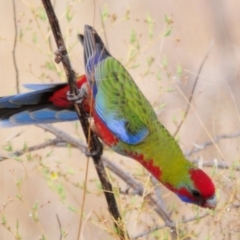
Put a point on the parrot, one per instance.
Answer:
(123, 119)
(126, 122)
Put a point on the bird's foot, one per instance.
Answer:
(72, 97)
(59, 54)
(97, 153)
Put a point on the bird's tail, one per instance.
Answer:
(36, 107)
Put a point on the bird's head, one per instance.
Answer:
(200, 191)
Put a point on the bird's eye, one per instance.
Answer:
(195, 193)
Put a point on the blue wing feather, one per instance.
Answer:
(117, 124)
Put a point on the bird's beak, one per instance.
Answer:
(211, 202)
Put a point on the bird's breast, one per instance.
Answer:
(104, 132)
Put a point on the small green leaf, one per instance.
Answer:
(69, 14)
(168, 20)
(19, 197)
(19, 182)
(50, 66)
(163, 105)
(149, 19)
(135, 65)
(127, 15)
(71, 171)
(20, 34)
(8, 147)
(150, 23)
(159, 77)
(60, 190)
(43, 238)
(133, 37)
(165, 62)
(169, 89)
(42, 14)
(35, 206)
(105, 13)
(179, 70)
(49, 154)
(25, 147)
(34, 37)
(168, 32)
(150, 61)
(4, 220)
(73, 209)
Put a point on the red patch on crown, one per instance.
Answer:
(202, 182)
(148, 164)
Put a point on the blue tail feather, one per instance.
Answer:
(31, 98)
(43, 86)
(5, 102)
(67, 115)
(44, 115)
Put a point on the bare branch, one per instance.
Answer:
(200, 147)
(93, 142)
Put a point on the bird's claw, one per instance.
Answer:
(59, 54)
(96, 153)
(72, 97)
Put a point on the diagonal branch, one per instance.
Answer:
(92, 140)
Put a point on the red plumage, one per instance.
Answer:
(59, 97)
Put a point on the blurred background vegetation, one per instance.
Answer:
(163, 45)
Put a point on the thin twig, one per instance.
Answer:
(145, 233)
(193, 89)
(14, 47)
(218, 165)
(200, 147)
(53, 142)
(60, 227)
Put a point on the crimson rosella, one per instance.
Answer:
(123, 117)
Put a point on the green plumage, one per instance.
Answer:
(126, 122)
(118, 95)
